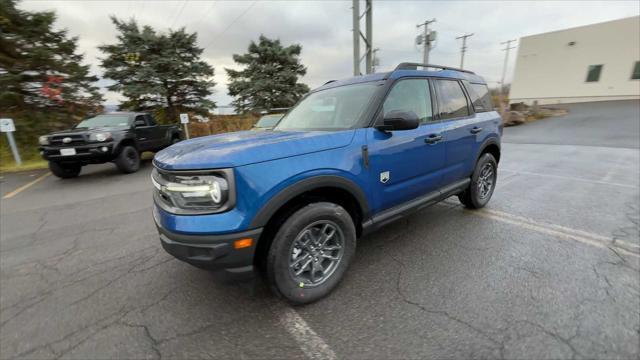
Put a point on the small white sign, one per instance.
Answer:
(184, 118)
(6, 125)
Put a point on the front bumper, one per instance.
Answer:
(213, 252)
(86, 153)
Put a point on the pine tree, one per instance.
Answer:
(158, 71)
(39, 66)
(270, 77)
(43, 84)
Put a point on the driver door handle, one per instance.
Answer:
(433, 138)
(475, 130)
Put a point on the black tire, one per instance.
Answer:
(310, 221)
(128, 160)
(477, 196)
(65, 171)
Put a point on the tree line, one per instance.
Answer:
(44, 84)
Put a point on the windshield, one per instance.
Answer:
(331, 109)
(268, 121)
(105, 121)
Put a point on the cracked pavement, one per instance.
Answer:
(82, 273)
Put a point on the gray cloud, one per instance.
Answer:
(323, 28)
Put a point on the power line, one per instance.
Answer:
(231, 24)
(464, 48)
(204, 15)
(184, 3)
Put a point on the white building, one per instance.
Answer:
(589, 63)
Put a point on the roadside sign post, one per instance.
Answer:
(184, 119)
(7, 126)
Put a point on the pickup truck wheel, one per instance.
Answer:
(128, 161)
(483, 182)
(65, 171)
(311, 252)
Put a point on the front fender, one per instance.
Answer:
(308, 183)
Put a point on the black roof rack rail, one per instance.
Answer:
(414, 66)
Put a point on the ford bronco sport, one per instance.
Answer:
(351, 156)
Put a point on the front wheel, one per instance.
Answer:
(311, 252)
(483, 182)
(128, 160)
(64, 171)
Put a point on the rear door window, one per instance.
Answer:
(452, 103)
(480, 96)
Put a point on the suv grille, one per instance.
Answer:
(76, 139)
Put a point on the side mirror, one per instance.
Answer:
(399, 120)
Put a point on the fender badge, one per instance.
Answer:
(384, 177)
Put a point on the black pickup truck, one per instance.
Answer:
(119, 137)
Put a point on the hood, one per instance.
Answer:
(247, 147)
(87, 131)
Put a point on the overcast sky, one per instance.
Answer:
(323, 28)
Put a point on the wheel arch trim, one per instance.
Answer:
(488, 142)
(265, 213)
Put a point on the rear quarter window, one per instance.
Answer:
(480, 96)
(452, 103)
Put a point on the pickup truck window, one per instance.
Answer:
(336, 108)
(452, 103)
(411, 95)
(140, 121)
(104, 121)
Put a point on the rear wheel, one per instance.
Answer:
(483, 182)
(128, 160)
(311, 252)
(64, 171)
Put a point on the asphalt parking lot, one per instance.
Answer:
(550, 269)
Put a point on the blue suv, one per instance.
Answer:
(350, 157)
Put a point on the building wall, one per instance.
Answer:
(551, 71)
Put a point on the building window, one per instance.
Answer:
(593, 74)
(635, 75)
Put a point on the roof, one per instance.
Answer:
(128, 113)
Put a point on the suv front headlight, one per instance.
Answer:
(43, 140)
(191, 192)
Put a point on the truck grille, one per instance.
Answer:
(76, 139)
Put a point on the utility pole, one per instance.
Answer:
(376, 60)
(464, 48)
(367, 39)
(426, 40)
(356, 37)
(506, 60)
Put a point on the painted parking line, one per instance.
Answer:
(311, 344)
(26, 186)
(561, 232)
(572, 178)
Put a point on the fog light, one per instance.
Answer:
(104, 149)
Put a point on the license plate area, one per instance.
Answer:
(67, 152)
